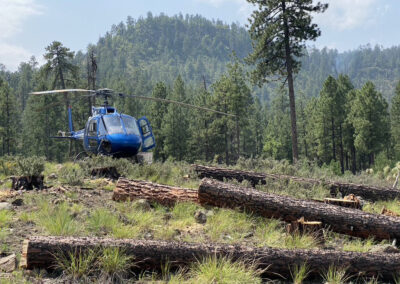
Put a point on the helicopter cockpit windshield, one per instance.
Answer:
(130, 124)
(113, 124)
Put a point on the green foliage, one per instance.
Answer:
(71, 174)
(299, 272)
(58, 220)
(115, 263)
(223, 270)
(335, 275)
(22, 166)
(77, 265)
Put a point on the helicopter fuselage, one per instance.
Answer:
(110, 133)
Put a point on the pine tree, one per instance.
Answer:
(395, 121)
(158, 111)
(370, 119)
(175, 127)
(9, 119)
(279, 30)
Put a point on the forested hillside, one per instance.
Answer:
(198, 61)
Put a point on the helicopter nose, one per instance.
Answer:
(122, 143)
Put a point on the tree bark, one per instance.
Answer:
(163, 194)
(39, 253)
(339, 219)
(289, 69)
(367, 192)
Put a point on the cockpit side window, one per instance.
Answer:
(92, 130)
(113, 124)
(130, 124)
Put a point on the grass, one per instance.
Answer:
(376, 207)
(223, 270)
(58, 221)
(115, 264)
(228, 226)
(5, 218)
(77, 265)
(335, 275)
(359, 245)
(102, 221)
(299, 273)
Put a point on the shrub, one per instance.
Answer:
(22, 166)
(71, 174)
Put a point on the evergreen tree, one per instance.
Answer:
(395, 121)
(279, 30)
(158, 111)
(370, 119)
(175, 127)
(9, 119)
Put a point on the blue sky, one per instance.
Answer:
(28, 26)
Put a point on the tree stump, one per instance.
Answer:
(304, 227)
(106, 172)
(27, 182)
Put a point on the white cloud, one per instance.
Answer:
(244, 7)
(349, 14)
(11, 55)
(13, 13)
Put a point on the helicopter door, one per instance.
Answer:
(92, 137)
(148, 141)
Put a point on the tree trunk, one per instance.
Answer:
(163, 194)
(333, 139)
(372, 193)
(341, 149)
(339, 219)
(39, 253)
(292, 102)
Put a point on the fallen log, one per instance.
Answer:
(339, 219)
(39, 253)
(163, 194)
(343, 202)
(367, 192)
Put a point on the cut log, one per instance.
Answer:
(343, 202)
(27, 182)
(339, 219)
(107, 172)
(367, 192)
(163, 194)
(38, 253)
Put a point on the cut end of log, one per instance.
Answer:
(24, 255)
(343, 202)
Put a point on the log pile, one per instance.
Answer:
(39, 253)
(338, 219)
(367, 192)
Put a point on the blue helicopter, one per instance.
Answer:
(110, 133)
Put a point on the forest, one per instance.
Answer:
(348, 104)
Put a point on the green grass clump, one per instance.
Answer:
(102, 220)
(269, 232)
(77, 265)
(300, 241)
(223, 270)
(228, 226)
(299, 273)
(335, 275)
(58, 221)
(358, 245)
(5, 218)
(115, 264)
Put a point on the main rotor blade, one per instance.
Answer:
(60, 103)
(61, 91)
(179, 103)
